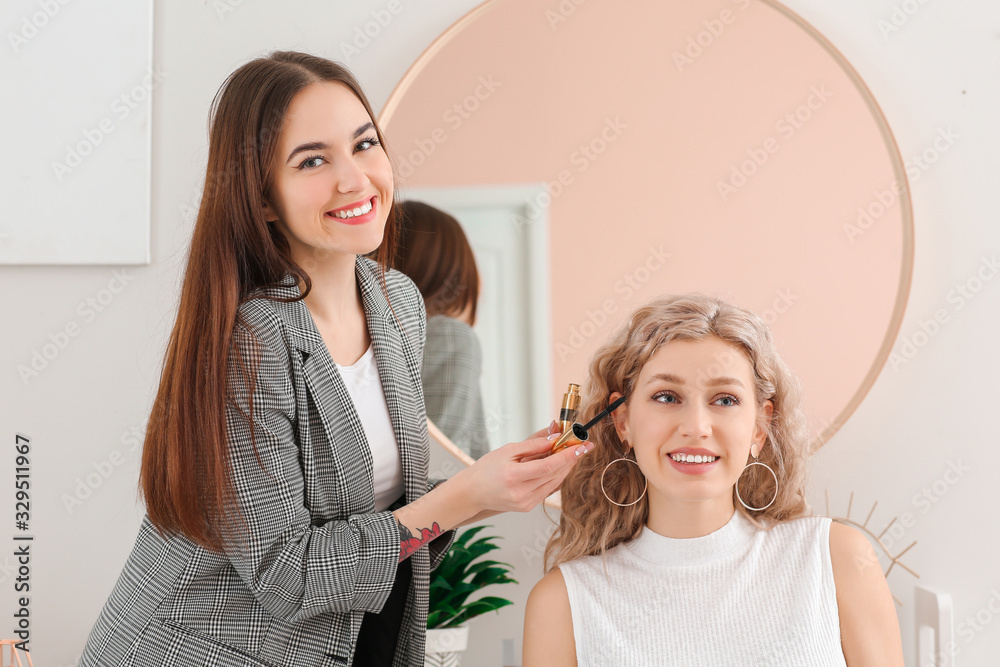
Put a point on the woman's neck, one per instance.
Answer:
(335, 295)
(689, 518)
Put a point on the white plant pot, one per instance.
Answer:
(445, 646)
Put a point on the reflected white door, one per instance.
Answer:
(507, 227)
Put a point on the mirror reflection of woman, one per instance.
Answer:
(682, 538)
(435, 254)
(289, 516)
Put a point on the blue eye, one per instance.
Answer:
(734, 401)
(665, 395)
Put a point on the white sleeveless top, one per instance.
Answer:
(738, 596)
(365, 387)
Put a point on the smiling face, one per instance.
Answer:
(332, 181)
(692, 418)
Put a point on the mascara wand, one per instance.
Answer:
(579, 432)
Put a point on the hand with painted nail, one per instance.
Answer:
(518, 476)
(552, 433)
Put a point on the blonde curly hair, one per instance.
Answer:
(590, 525)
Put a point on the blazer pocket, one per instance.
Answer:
(190, 647)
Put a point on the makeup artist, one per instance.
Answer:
(289, 517)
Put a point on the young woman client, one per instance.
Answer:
(682, 539)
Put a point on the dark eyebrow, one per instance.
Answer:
(364, 128)
(321, 146)
(311, 146)
(712, 382)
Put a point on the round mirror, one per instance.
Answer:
(599, 156)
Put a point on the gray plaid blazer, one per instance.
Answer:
(318, 555)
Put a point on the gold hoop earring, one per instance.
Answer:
(644, 487)
(755, 462)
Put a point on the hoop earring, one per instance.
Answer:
(757, 463)
(645, 485)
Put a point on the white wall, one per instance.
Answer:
(936, 72)
(932, 405)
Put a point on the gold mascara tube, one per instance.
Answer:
(570, 403)
(567, 417)
(570, 437)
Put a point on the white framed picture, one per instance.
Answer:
(76, 125)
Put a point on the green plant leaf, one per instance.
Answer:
(455, 562)
(462, 574)
(477, 608)
(491, 602)
(478, 549)
(438, 617)
(490, 577)
(462, 593)
(483, 564)
(467, 535)
(440, 583)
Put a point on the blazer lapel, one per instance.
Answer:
(398, 362)
(333, 406)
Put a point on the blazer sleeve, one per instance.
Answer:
(294, 568)
(439, 546)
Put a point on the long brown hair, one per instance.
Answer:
(185, 476)
(590, 525)
(435, 253)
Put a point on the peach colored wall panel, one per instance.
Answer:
(729, 136)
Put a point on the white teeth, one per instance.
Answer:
(693, 458)
(350, 213)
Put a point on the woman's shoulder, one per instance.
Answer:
(549, 596)
(841, 545)
(452, 329)
(397, 283)
(404, 297)
(259, 308)
(448, 323)
(807, 530)
(809, 525)
(548, 623)
(849, 545)
(606, 564)
(868, 622)
(262, 328)
(260, 314)
(551, 584)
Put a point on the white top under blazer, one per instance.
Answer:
(738, 596)
(365, 387)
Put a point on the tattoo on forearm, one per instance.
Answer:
(408, 543)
